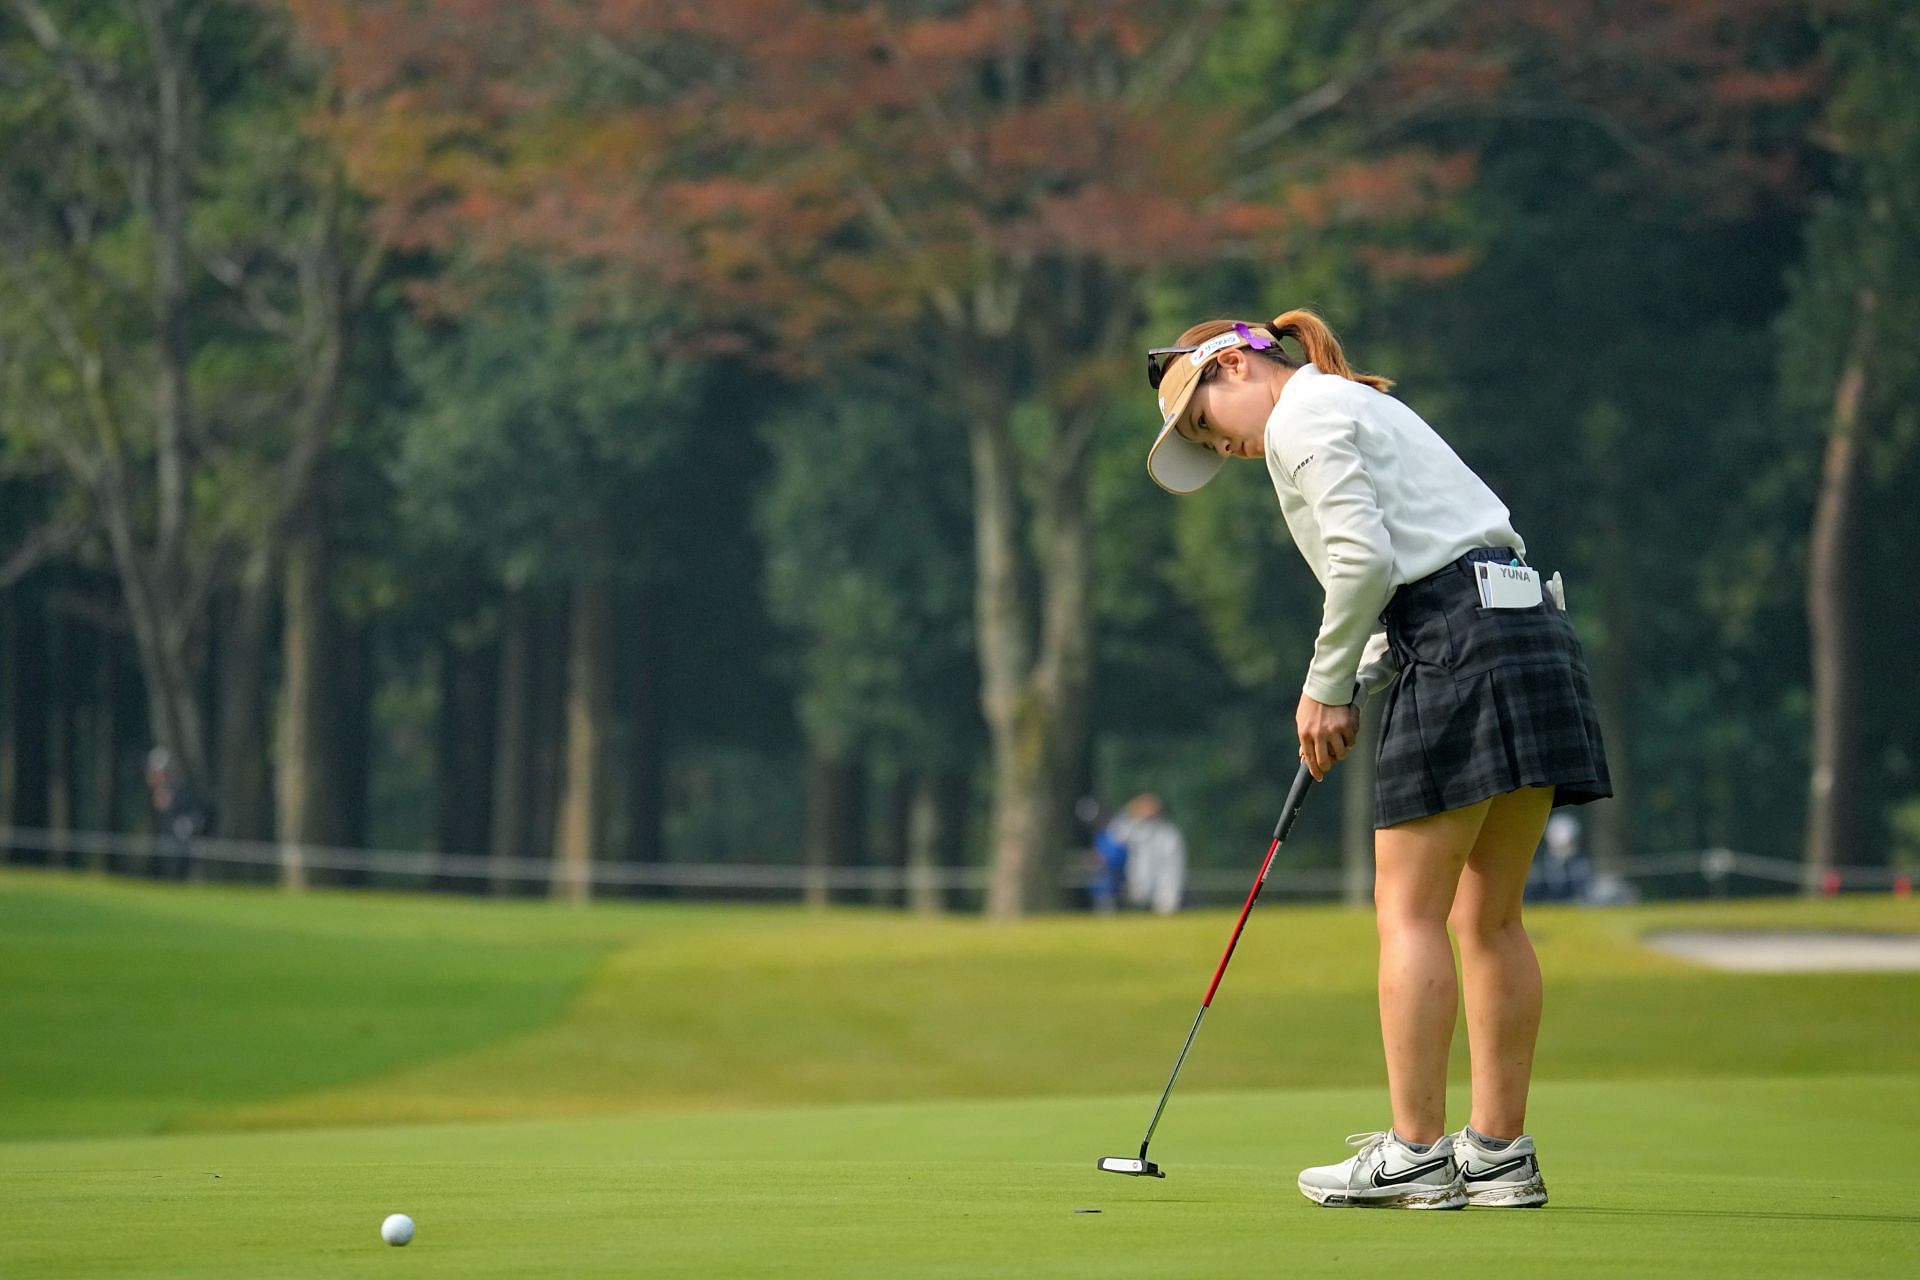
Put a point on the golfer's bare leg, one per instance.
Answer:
(1498, 967)
(1416, 867)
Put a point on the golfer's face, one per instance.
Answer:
(1229, 413)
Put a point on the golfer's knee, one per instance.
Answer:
(1400, 914)
(1482, 929)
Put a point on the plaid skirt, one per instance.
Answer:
(1487, 701)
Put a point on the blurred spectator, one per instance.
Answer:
(1562, 873)
(1156, 864)
(178, 816)
(1109, 863)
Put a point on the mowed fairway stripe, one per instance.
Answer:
(564, 1013)
(129, 1007)
(1703, 1179)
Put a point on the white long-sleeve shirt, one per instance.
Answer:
(1374, 499)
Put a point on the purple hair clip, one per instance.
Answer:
(1259, 342)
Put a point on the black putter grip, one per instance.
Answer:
(1303, 779)
(1296, 796)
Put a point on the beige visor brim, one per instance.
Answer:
(1176, 463)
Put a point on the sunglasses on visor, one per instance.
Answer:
(1158, 358)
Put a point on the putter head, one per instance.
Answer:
(1133, 1168)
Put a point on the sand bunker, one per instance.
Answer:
(1797, 951)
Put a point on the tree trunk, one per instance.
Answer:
(548, 732)
(103, 745)
(166, 599)
(646, 754)
(1613, 663)
(1024, 802)
(923, 847)
(170, 668)
(313, 777)
(1035, 704)
(954, 789)
(1833, 786)
(9, 703)
(580, 830)
(351, 663)
(816, 838)
(170, 188)
(304, 789)
(30, 709)
(836, 826)
(1356, 811)
(64, 702)
(889, 845)
(324, 733)
(241, 804)
(464, 757)
(935, 818)
(1004, 631)
(1614, 676)
(1065, 674)
(1610, 840)
(512, 791)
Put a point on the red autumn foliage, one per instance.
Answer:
(1710, 97)
(784, 158)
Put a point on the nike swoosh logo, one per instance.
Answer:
(1412, 1173)
(1472, 1174)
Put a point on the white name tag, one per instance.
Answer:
(1507, 586)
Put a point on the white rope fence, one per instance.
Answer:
(392, 864)
(1720, 865)
(120, 853)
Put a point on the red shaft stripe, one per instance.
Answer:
(1241, 923)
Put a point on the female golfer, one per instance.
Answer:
(1488, 726)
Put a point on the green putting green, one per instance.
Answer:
(1750, 1178)
(202, 1082)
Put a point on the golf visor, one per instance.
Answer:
(1176, 463)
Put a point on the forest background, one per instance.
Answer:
(635, 431)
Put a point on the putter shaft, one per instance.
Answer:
(1296, 797)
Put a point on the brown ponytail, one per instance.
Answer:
(1321, 346)
(1305, 328)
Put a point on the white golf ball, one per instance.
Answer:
(397, 1229)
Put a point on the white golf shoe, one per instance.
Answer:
(1387, 1174)
(1508, 1178)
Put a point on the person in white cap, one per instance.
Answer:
(1489, 724)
